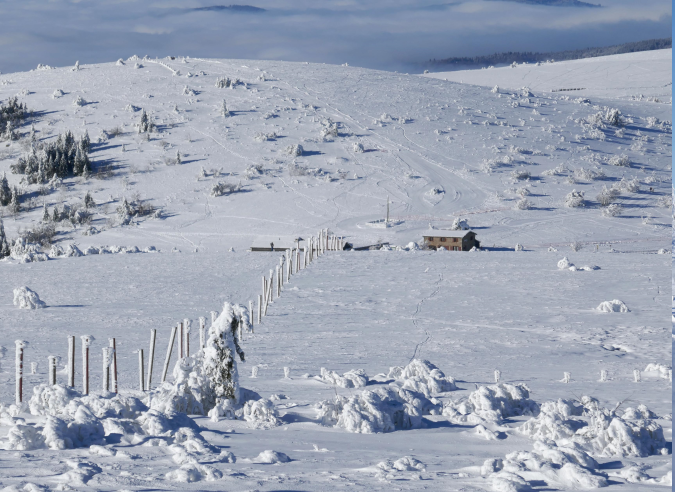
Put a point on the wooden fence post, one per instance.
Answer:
(168, 353)
(106, 369)
(71, 361)
(188, 328)
(140, 370)
(151, 358)
(20, 345)
(113, 343)
(86, 341)
(260, 309)
(52, 369)
(181, 340)
(202, 332)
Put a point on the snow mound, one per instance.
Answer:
(271, 457)
(564, 264)
(388, 469)
(509, 482)
(72, 251)
(194, 472)
(615, 306)
(492, 404)
(379, 410)
(641, 412)
(25, 298)
(355, 378)
(553, 421)
(423, 377)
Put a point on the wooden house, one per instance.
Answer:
(451, 240)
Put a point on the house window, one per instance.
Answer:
(442, 239)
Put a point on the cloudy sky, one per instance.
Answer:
(383, 34)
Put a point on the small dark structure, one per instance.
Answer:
(277, 243)
(451, 240)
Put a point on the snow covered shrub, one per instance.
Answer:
(134, 208)
(565, 264)
(208, 379)
(495, 89)
(612, 210)
(355, 378)
(357, 148)
(223, 82)
(329, 129)
(79, 101)
(271, 457)
(224, 112)
(380, 410)
(613, 117)
(25, 298)
(523, 204)
(12, 112)
(57, 93)
(188, 92)
(518, 247)
(607, 196)
(41, 234)
(264, 137)
(145, 124)
(520, 174)
(574, 199)
(423, 377)
(619, 160)
(261, 414)
(492, 403)
(220, 188)
(630, 185)
(295, 150)
(615, 306)
(588, 174)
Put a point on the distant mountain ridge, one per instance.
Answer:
(554, 3)
(533, 57)
(231, 8)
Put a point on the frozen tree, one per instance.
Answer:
(56, 216)
(620, 160)
(145, 125)
(25, 298)
(357, 148)
(45, 214)
(9, 133)
(178, 158)
(459, 224)
(89, 201)
(613, 117)
(223, 110)
(574, 199)
(4, 244)
(5, 191)
(14, 203)
(294, 150)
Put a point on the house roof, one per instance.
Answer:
(445, 233)
(280, 242)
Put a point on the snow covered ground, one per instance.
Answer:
(469, 314)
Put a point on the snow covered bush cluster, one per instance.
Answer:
(574, 199)
(356, 378)
(65, 157)
(619, 160)
(145, 124)
(220, 188)
(134, 208)
(294, 150)
(614, 306)
(11, 113)
(459, 224)
(400, 405)
(491, 405)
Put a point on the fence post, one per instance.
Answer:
(52, 369)
(168, 352)
(151, 358)
(86, 341)
(106, 369)
(71, 361)
(259, 309)
(181, 340)
(113, 343)
(278, 283)
(202, 332)
(20, 345)
(140, 369)
(250, 313)
(188, 328)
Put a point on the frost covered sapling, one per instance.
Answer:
(4, 244)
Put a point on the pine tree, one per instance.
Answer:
(223, 110)
(178, 158)
(5, 191)
(56, 216)
(14, 203)
(33, 137)
(45, 214)
(4, 245)
(89, 201)
(78, 163)
(85, 143)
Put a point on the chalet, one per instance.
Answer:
(451, 240)
(277, 243)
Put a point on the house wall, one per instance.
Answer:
(464, 244)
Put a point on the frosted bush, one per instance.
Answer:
(355, 378)
(574, 199)
(614, 306)
(329, 129)
(619, 160)
(657, 370)
(25, 298)
(492, 403)
(73, 251)
(264, 137)
(220, 188)
(380, 410)
(523, 204)
(641, 412)
(565, 264)
(194, 472)
(554, 421)
(57, 93)
(612, 210)
(79, 101)
(613, 117)
(295, 150)
(423, 377)
(495, 89)
(630, 185)
(518, 247)
(607, 195)
(588, 174)
(520, 174)
(261, 414)
(357, 148)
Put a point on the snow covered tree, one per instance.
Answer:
(223, 110)
(5, 191)
(145, 125)
(14, 203)
(85, 143)
(4, 244)
(45, 214)
(56, 216)
(178, 158)
(89, 201)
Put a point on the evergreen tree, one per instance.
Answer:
(5, 191)
(45, 214)
(14, 203)
(4, 244)
(178, 158)
(223, 110)
(89, 201)
(78, 163)
(85, 143)
(56, 216)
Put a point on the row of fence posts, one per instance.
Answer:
(292, 262)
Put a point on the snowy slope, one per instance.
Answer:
(470, 314)
(627, 76)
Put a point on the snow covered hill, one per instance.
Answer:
(529, 351)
